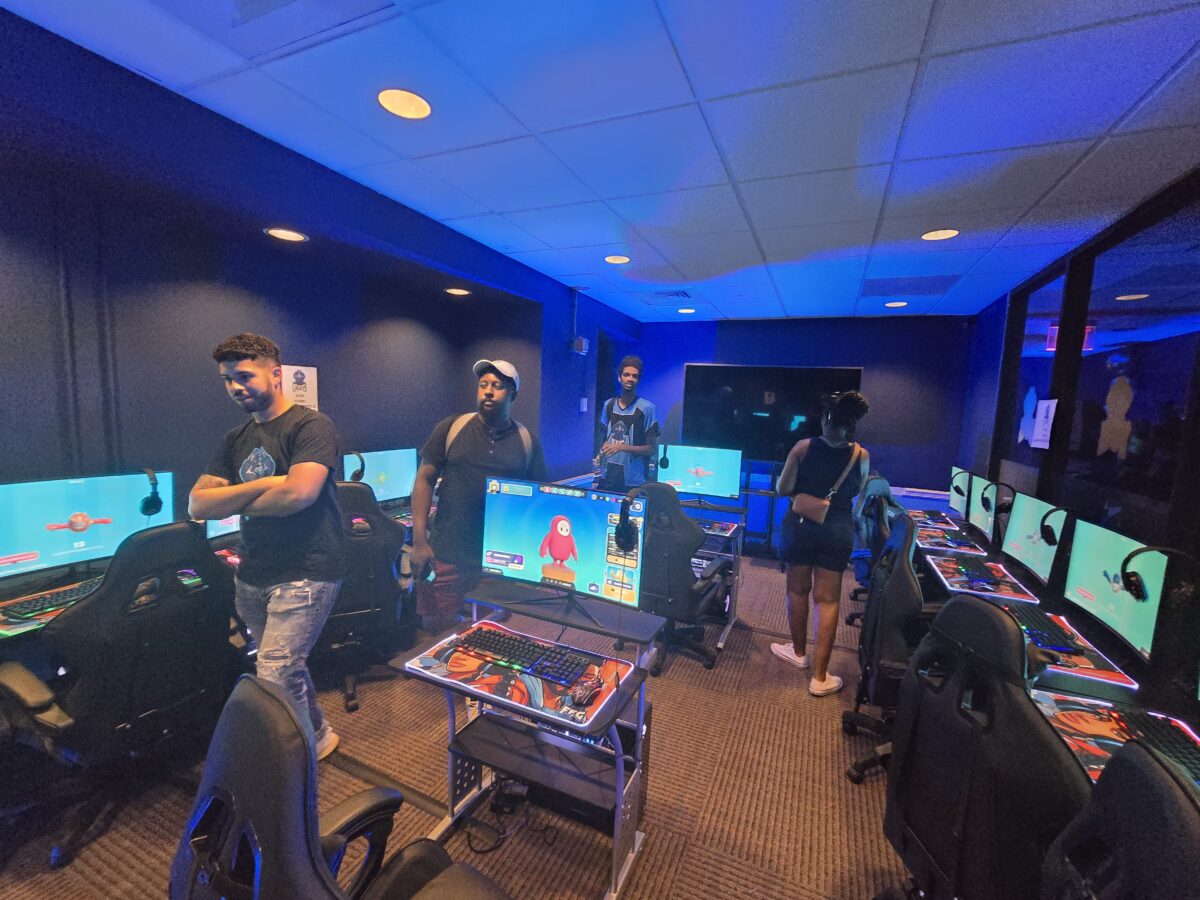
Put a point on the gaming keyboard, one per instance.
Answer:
(542, 659)
(48, 601)
(1165, 736)
(1042, 630)
(976, 569)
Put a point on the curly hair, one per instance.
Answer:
(845, 408)
(247, 346)
(634, 362)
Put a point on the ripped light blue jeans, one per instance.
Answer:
(286, 620)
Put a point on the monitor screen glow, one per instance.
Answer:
(703, 470)
(217, 527)
(45, 524)
(1023, 537)
(978, 516)
(390, 473)
(1094, 584)
(959, 478)
(562, 537)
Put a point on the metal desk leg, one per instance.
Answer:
(466, 780)
(627, 840)
(733, 593)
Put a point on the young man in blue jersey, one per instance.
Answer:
(629, 438)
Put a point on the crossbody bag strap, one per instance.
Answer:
(846, 471)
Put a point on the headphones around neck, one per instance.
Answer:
(625, 535)
(357, 474)
(1133, 581)
(151, 504)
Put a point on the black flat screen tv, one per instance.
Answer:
(760, 410)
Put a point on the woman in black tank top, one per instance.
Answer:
(817, 553)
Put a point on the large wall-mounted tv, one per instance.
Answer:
(760, 410)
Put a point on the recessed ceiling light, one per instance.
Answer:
(941, 234)
(616, 259)
(458, 292)
(405, 104)
(286, 234)
(896, 304)
(1133, 296)
(686, 310)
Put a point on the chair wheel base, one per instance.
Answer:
(849, 728)
(855, 775)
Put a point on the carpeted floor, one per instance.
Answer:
(747, 795)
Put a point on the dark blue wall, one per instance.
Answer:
(985, 352)
(914, 373)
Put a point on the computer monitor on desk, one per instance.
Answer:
(562, 537)
(48, 524)
(705, 471)
(214, 528)
(1023, 539)
(1094, 584)
(981, 518)
(390, 473)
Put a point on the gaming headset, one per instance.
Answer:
(663, 462)
(151, 504)
(625, 535)
(357, 474)
(1132, 581)
(986, 502)
(1047, 532)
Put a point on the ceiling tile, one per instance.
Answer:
(346, 75)
(276, 112)
(1177, 102)
(736, 296)
(821, 288)
(646, 270)
(839, 240)
(658, 151)
(554, 263)
(830, 300)
(1071, 224)
(710, 255)
(977, 230)
(835, 123)
(843, 195)
(520, 174)
(257, 27)
(970, 23)
(578, 225)
(756, 279)
(417, 189)
(973, 293)
(149, 40)
(1128, 168)
(783, 41)
(1049, 90)
(1025, 259)
(555, 64)
(915, 265)
(497, 232)
(918, 305)
(623, 303)
(706, 210)
(977, 181)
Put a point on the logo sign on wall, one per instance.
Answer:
(300, 384)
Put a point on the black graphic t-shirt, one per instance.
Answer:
(307, 544)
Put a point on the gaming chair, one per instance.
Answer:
(1137, 837)
(874, 510)
(979, 784)
(144, 658)
(670, 586)
(372, 616)
(254, 832)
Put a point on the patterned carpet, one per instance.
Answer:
(747, 795)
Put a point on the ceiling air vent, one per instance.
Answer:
(673, 295)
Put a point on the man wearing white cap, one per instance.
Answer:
(465, 450)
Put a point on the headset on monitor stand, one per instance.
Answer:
(1133, 582)
(663, 462)
(625, 535)
(986, 502)
(357, 474)
(1048, 535)
(957, 487)
(151, 504)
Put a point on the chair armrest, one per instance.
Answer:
(367, 814)
(17, 682)
(714, 566)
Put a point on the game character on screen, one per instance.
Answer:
(699, 472)
(278, 470)
(559, 545)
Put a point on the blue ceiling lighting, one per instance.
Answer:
(784, 163)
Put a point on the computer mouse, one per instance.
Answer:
(585, 691)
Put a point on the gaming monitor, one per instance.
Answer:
(978, 516)
(1094, 584)
(1023, 537)
(46, 524)
(702, 470)
(390, 473)
(563, 537)
(959, 478)
(217, 527)
(760, 410)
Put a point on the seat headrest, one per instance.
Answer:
(356, 496)
(662, 498)
(986, 632)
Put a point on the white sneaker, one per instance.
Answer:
(327, 741)
(831, 685)
(787, 653)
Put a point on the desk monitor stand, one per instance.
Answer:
(568, 598)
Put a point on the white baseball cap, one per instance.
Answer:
(503, 366)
